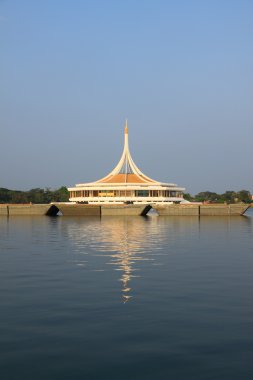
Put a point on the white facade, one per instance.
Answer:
(126, 183)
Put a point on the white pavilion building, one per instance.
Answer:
(126, 184)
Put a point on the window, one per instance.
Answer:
(141, 193)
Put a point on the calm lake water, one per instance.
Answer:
(126, 298)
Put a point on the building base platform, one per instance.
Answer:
(73, 209)
(70, 209)
(201, 209)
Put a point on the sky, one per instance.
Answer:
(181, 72)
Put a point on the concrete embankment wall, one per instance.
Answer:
(104, 210)
(67, 209)
(202, 209)
(235, 209)
(4, 210)
(110, 210)
(79, 209)
(21, 209)
(49, 209)
(214, 210)
(175, 210)
(223, 209)
(97, 210)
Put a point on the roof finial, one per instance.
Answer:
(126, 128)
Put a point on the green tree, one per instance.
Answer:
(244, 196)
(229, 196)
(207, 196)
(188, 197)
(60, 195)
(36, 195)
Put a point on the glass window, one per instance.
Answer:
(141, 193)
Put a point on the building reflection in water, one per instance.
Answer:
(124, 240)
(128, 242)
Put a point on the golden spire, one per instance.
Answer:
(126, 128)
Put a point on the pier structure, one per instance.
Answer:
(126, 183)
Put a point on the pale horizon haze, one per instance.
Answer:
(181, 72)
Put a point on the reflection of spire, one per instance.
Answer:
(124, 264)
(125, 240)
(124, 260)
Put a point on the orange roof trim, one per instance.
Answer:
(125, 178)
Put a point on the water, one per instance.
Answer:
(126, 298)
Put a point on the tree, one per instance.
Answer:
(207, 196)
(61, 195)
(36, 195)
(244, 196)
(188, 197)
(229, 196)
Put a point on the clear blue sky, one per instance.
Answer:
(180, 71)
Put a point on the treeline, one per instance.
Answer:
(61, 195)
(229, 197)
(34, 195)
